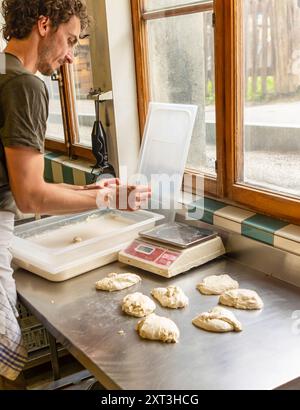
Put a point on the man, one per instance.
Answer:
(41, 36)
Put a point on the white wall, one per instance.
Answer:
(122, 63)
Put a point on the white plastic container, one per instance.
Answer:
(61, 247)
(164, 153)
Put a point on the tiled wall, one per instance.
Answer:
(60, 169)
(264, 229)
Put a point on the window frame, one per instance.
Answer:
(70, 146)
(213, 186)
(229, 107)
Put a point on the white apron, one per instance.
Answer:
(12, 352)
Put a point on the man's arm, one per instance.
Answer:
(71, 187)
(33, 195)
(98, 185)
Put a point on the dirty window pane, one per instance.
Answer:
(83, 82)
(272, 95)
(181, 70)
(55, 128)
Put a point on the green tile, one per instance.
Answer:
(210, 207)
(258, 234)
(48, 174)
(68, 175)
(265, 223)
(262, 228)
(194, 212)
(208, 217)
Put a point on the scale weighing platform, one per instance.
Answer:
(172, 248)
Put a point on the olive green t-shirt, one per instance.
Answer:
(24, 102)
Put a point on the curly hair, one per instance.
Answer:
(20, 16)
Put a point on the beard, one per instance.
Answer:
(44, 58)
(44, 67)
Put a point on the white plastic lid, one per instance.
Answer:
(164, 151)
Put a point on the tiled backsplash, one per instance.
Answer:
(274, 232)
(61, 169)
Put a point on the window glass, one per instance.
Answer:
(83, 82)
(271, 146)
(55, 128)
(181, 70)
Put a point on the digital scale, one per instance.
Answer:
(172, 248)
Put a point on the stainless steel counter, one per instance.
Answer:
(264, 356)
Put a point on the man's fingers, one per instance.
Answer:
(92, 186)
(142, 188)
(103, 183)
(104, 198)
(113, 181)
(144, 196)
(125, 197)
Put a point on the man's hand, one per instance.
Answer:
(123, 197)
(103, 183)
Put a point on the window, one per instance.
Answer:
(72, 111)
(240, 63)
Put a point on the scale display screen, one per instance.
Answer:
(145, 249)
(178, 234)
